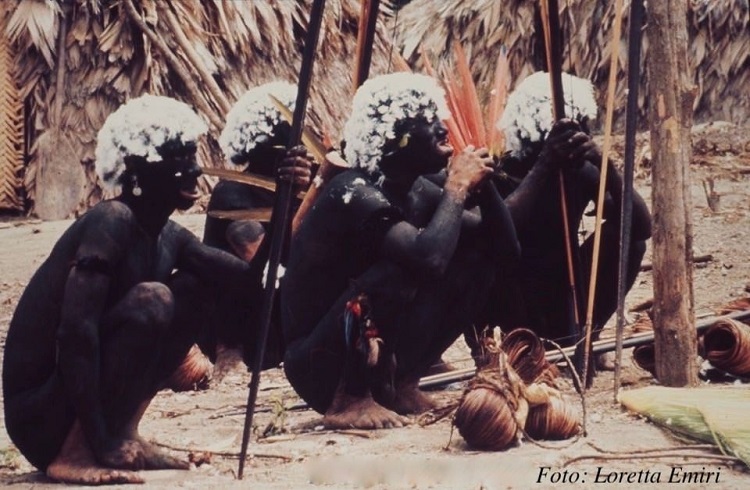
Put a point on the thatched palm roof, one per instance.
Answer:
(79, 60)
(718, 31)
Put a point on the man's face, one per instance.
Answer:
(175, 179)
(428, 146)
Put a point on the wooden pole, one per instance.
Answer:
(281, 220)
(671, 94)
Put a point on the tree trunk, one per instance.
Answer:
(671, 94)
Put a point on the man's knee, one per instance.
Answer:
(245, 238)
(153, 304)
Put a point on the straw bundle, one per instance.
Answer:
(500, 403)
(491, 412)
(526, 354)
(644, 357)
(194, 373)
(554, 419)
(715, 415)
(726, 345)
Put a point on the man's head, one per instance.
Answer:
(527, 118)
(148, 145)
(396, 120)
(254, 124)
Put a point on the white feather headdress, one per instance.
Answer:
(528, 114)
(379, 104)
(255, 115)
(140, 127)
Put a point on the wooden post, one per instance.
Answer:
(671, 95)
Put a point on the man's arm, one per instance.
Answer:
(498, 223)
(209, 264)
(641, 224)
(430, 249)
(562, 149)
(78, 336)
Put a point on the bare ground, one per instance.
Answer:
(206, 426)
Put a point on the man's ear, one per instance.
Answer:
(134, 164)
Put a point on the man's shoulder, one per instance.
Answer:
(109, 214)
(352, 184)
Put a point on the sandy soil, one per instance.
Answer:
(206, 426)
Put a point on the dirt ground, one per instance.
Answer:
(206, 426)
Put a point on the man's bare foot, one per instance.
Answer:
(350, 412)
(75, 463)
(156, 459)
(411, 400)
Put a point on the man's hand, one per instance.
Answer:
(468, 169)
(567, 146)
(296, 167)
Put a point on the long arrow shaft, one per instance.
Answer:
(552, 37)
(631, 125)
(604, 167)
(281, 220)
(366, 38)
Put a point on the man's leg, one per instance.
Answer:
(326, 368)
(134, 339)
(441, 310)
(607, 277)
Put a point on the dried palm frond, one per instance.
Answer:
(35, 23)
(11, 126)
(716, 415)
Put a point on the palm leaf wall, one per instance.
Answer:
(78, 60)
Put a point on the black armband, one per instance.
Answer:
(94, 264)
